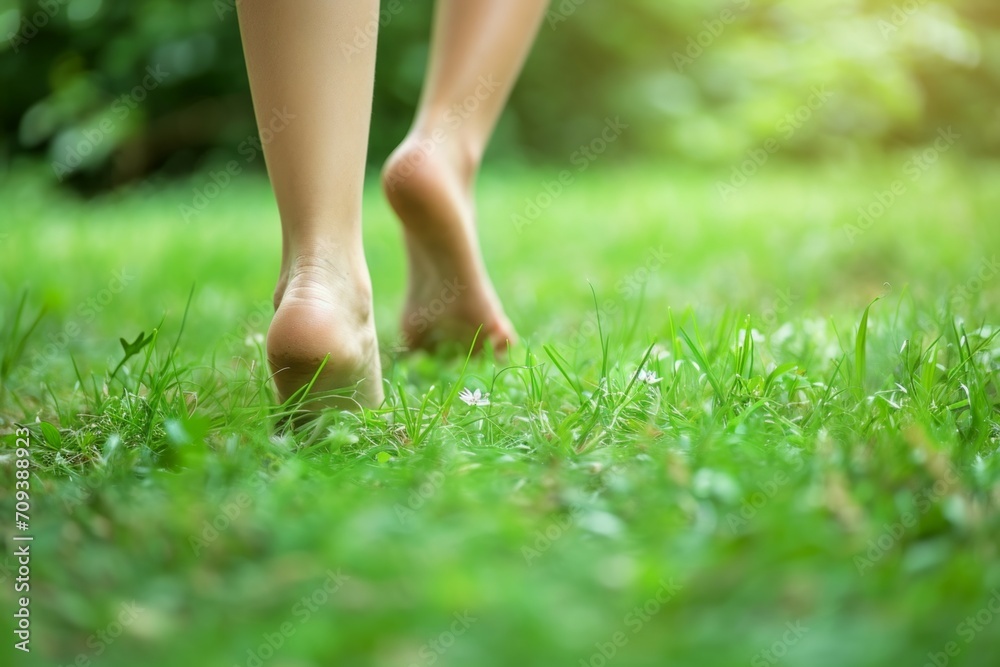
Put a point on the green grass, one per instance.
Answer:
(820, 448)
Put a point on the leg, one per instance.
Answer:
(315, 105)
(477, 50)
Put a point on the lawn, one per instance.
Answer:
(805, 472)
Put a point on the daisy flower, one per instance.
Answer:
(649, 377)
(477, 397)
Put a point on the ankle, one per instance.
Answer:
(345, 245)
(330, 276)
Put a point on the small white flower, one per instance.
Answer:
(254, 340)
(477, 397)
(649, 377)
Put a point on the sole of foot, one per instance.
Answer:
(449, 296)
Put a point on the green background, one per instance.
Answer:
(897, 72)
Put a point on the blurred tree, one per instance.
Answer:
(106, 92)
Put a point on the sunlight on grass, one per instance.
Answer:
(725, 419)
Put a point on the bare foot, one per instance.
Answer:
(449, 296)
(324, 311)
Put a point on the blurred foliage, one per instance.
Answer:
(695, 80)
